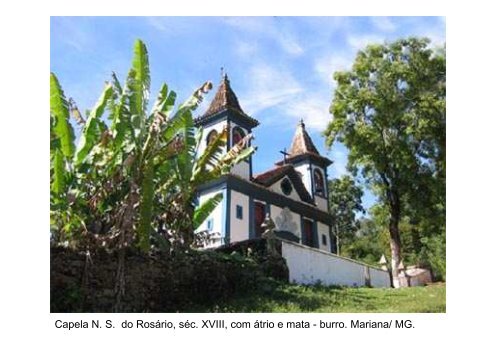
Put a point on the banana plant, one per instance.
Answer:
(133, 174)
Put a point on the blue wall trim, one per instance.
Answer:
(250, 159)
(313, 191)
(251, 218)
(224, 214)
(212, 188)
(227, 235)
(327, 190)
(214, 119)
(265, 195)
(242, 120)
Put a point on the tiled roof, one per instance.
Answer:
(303, 147)
(225, 99)
(273, 175)
(268, 177)
(302, 142)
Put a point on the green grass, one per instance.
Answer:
(288, 298)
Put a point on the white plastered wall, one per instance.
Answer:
(293, 225)
(276, 187)
(242, 169)
(321, 203)
(239, 227)
(323, 229)
(310, 266)
(303, 169)
(216, 217)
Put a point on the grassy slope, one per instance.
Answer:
(295, 298)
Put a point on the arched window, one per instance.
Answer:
(238, 135)
(319, 185)
(211, 136)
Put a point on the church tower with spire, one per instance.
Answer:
(310, 165)
(225, 111)
(292, 193)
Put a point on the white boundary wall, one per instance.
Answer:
(310, 266)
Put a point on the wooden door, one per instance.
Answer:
(260, 216)
(308, 233)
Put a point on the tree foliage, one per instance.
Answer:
(134, 176)
(345, 201)
(389, 111)
(369, 243)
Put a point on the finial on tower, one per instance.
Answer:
(301, 123)
(223, 74)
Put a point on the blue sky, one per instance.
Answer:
(280, 67)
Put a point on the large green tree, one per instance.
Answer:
(389, 111)
(345, 201)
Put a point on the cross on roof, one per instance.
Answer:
(285, 154)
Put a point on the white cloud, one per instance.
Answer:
(314, 109)
(436, 36)
(265, 26)
(384, 24)
(176, 26)
(289, 44)
(357, 42)
(246, 49)
(70, 32)
(325, 66)
(157, 23)
(325, 27)
(268, 87)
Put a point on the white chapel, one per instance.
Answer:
(293, 193)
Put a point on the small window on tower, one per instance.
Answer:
(210, 224)
(323, 239)
(211, 136)
(239, 212)
(319, 185)
(238, 135)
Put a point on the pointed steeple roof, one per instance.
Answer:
(303, 147)
(225, 100)
(302, 142)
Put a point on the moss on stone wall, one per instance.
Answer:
(156, 283)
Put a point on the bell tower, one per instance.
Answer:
(311, 166)
(225, 110)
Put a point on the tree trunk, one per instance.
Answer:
(126, 237)
(395, 241)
